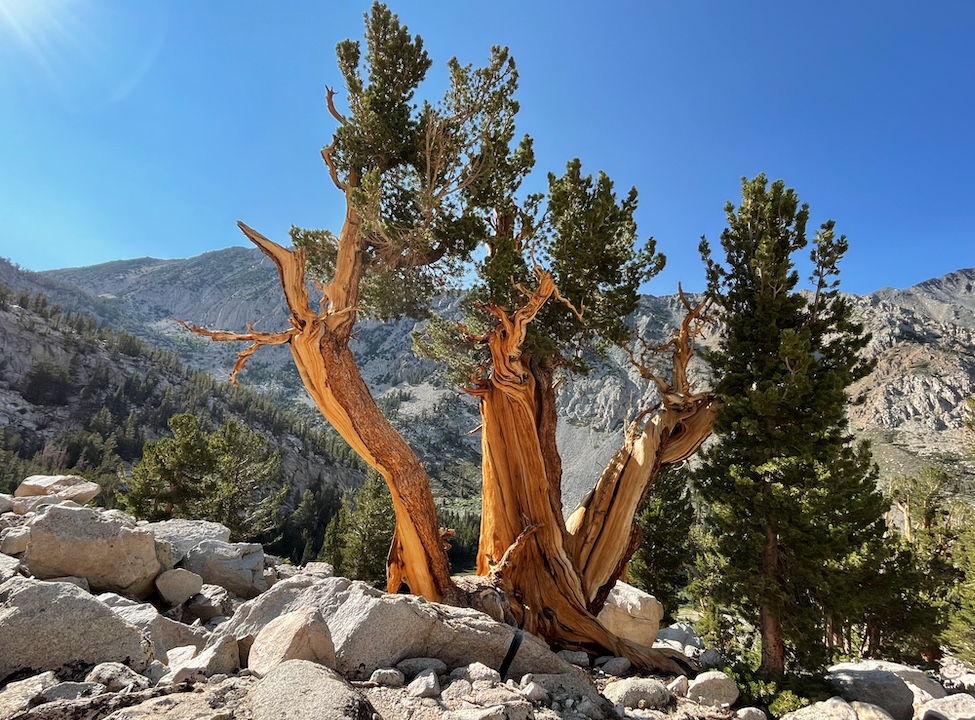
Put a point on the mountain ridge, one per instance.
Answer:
(913, 408)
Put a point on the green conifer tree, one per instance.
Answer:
(665, 520)
(789, 495)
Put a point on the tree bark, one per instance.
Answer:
(601, 527)
(603, 535)
(319, 346)
(770, 620)
(523, 535)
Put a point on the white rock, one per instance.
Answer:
(953, 707)
(679, 686)
(898, 689)
(371, 629)
(390, 677)
(631, 692)
(81, 631)
(683, 634)
(535, 692)
(318, 569)
(714, 689)
(9, 567)
(72, 691)
(19, 696)
(833, 709)
(64, 487)
(867, 711)
(299, 635)
(425, 685)
(411, 667)
(178, 585)
(632, 614)
(15, 540)
(164, 633)
(33, 504)
(312, 691)
(184, 535)
(116, 677)
(238, 567)
(81, 542)
(751, 713)
(219, 658)
(478, 671)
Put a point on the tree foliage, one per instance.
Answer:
(219, 476)
(790, 496)
(666, 518)
(358, 535)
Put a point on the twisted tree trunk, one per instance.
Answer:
(525, 546)
(319, 342)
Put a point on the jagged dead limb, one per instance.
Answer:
(319, 346)
(601, 528)
(523, 535)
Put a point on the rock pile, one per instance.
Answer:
(103, 617)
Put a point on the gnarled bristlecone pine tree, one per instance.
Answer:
(425, 186)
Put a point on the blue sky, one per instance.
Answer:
(132, 129)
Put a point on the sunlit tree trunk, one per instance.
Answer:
(525, 545)
(603, 535)
(319, 343)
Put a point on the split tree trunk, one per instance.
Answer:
(525, 545)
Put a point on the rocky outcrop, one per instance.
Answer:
(59, 627)
(64, 487)
(111, 554)
(898, 689)
(238, 567)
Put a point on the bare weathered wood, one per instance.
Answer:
(602, 526)
(523, 535)
(319, 347)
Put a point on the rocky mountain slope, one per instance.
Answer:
(74, 395)
(913, 408)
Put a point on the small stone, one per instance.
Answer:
(479, 671)
(15, 540)
(714, 689)
(411, 667)
(390, 677)
(632, 691)
(535, 692)
(575, 657)
(456, 691)
(178, 585)
(751, 713)
(424, 685)
(678, 686)
(116, 677)
(617, 666)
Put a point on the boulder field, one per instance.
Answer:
(104, 617)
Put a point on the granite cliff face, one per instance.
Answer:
(913, 407)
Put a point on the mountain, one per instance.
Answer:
(912, 409)
(76, 395)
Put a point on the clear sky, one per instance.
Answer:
(132, 128)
